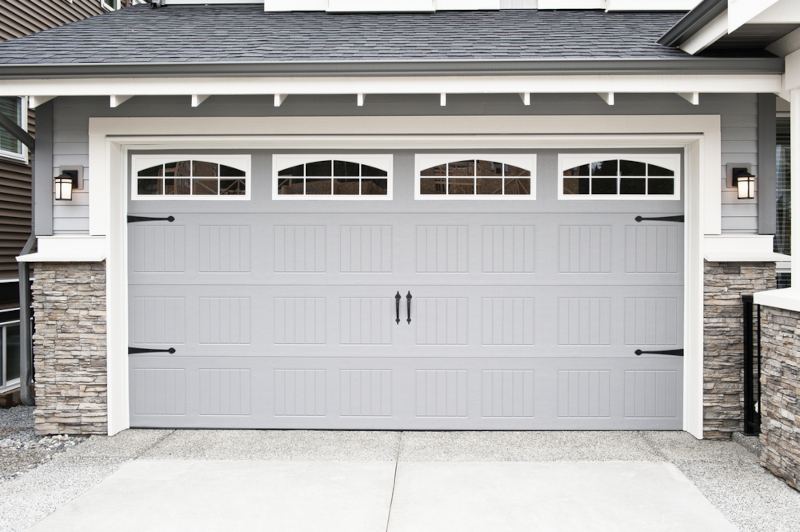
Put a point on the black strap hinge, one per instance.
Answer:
(140, 350)
(148, 219)
(661, 219)
(670, 352)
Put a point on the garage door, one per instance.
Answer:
(406, 291)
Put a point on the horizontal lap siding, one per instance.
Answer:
(738, 119)
(23, 17)
(739, 145)
(15, 209)
(71, 148)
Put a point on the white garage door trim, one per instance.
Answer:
(110, 140)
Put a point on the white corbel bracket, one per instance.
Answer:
(607, 97)
(117, 100)
(36, 101)
(197, 99)
(279, 99)
(691, 97)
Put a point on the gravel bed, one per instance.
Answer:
(20, 449)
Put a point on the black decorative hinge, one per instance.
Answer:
(140, 350)
(661, 219)
(148, 219)
(670, 352)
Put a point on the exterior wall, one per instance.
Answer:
(780, 381)
(69, 301)
(738, 112)
(15, 211)
(723, 351)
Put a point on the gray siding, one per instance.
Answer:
(739, 117)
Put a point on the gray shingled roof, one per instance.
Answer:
(245, 33)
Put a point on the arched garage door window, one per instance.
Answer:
(475, 177)
(611, 176)
(332, 177)
(190, 177)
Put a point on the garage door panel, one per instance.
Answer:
(283, 314)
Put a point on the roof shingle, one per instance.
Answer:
(245, 33)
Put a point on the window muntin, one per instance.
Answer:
(475, 177)
(15, 108)
(195, 177)
(332, 177)
(619, 177)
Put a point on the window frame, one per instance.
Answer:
(23, 155)
(381, 161)
(114, 7)
(670, 161)
(526, 161)
(239, 161)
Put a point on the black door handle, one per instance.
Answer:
(397, 306)
(408, 310)
(139, 350)
(671, 352)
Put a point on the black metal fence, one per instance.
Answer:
(752, 365)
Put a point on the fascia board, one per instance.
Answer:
(693, 21)
(576, 84)
(743, 11)
(686, 65)
(707, 35)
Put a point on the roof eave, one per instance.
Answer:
(702, 14)
(688, 65)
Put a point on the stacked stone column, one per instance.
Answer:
(69, 302)
(780, 388)
(723, 341)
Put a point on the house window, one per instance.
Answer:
(110, 5)
(16, 109)
(191, 177)
(10, 339)
(475, 177)
(327, 177)
(619, 177)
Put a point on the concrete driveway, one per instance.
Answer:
(400, 482)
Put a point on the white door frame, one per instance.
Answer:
(110, 139)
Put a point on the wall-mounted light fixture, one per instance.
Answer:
(745, 183)
(741, 177)
(72, 173)
(64, 185)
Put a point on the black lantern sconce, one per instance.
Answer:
(745, 183)
(64, 186)
(742, 179)
(69, 180)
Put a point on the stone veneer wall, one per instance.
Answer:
(69, 302)
(780, 387)
(723, 343)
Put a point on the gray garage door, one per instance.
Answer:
(512, 314)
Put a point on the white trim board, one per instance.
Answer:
(110, 139)
(497, 84)
(411, 132)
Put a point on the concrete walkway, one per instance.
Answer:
(400, 482)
